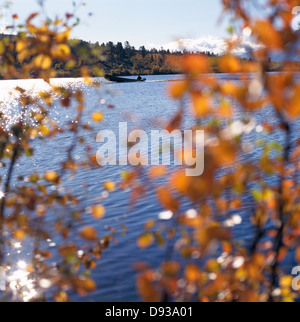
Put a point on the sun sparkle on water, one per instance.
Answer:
(20, 283)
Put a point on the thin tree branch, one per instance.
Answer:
(278, 243)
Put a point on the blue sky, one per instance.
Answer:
(141, 22)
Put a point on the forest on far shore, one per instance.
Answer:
(125, 60)
(121, 59)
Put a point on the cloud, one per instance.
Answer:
(211, 44)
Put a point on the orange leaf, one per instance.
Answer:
(61, 297)
(201, 104)
(167, 200)
(180, 181)
(146, 240)
(230, 64)
(150, 224)
(297, 255)
(205, 236)
(224, 153)
(84, 285)
(67, 250)
(267, 34)
(157, 171)
(89, 233)
(51, 176)
(229, 88)
(177, 90)
(293, 108)
(192, 273)
(19, 234)
(146, 289)
(170, 268)
(97, 117)
(33, 15)
(282, 254)
(195, 64)
(109, 186)
(225, 110)
(98, 212)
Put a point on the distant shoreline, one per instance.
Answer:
(171, 80)
(125, 60)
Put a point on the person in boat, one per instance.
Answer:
(139, 78)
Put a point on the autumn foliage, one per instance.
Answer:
(204, 261)
(215, 267)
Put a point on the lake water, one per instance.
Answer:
(144, 106)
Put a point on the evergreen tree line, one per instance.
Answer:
(120, 59)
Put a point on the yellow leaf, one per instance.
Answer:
(44, 130)
(64, 36)
(2, 48)
(65, 50)
(51, 176)
(57, 22)
(97, 117)
(61, 297)
(42, 61)
(88, 80)
(32, 29)
(286, 281)
(61, 51)
(98, 212)
(79, 97)
(19, 234)
(146, 240)
(33, 133)
(89, 233)
(21, 45)
(212, 266)
(109, 186)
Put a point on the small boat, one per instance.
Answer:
(118, 79)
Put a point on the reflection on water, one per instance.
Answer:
(20, 283)
(144, 105)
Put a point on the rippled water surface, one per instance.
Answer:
(144, 106)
